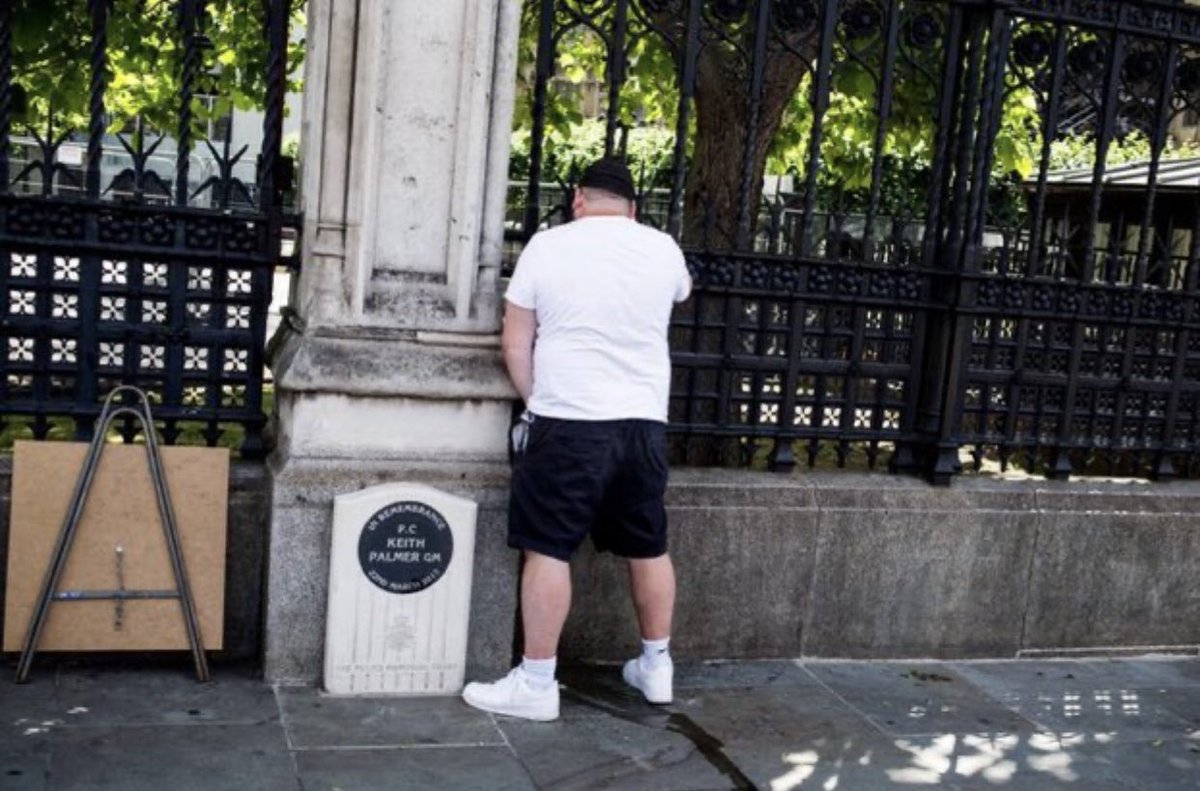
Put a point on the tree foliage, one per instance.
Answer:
(52, 49)
(716, 137)
(1079, 151)
(649, 150)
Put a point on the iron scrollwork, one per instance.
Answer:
(144, 274)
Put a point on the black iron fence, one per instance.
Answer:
(157, 275)
(957, 271)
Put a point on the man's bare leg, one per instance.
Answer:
(652, 585)
(545, 602)
(530, 691)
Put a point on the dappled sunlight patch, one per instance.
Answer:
(33, 727)
(1056, 741)
(1070, 705)
(803, 765)
(1054, 763)
(807, 765)
(986, 756)
(929, 761)
(990, 761)
(999, 758)
(1105, 702)
(1123, 702)
(919, 711)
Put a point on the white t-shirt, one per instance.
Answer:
(602, 289)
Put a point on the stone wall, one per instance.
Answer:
(821, 565)
(827, 565)
(874, 566)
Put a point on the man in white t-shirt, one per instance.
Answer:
(585, 342)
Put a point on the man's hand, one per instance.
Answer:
(516, 343)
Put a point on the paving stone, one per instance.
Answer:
(1167, 672)
(139, 696)
(581, 698)
(1123, 714)
(1184, 703)
(1088, 698)
(599, 690)
(24, 761)
(915, 697)
(178, 758)
(1159, 765)
(726, 675)
(606, 678)
(795, 737)
(1188, 669)
(1127, 725)
(651, 752)
(314, 719)
(28, 714)
(790, 717)
(29, 708)
(863, 761)
(412, 769)
(757, 735)
(1003, 679)
(1010, 681)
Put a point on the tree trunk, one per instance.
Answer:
(722, 180)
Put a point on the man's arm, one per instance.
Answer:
(516, 343)
(685, 289)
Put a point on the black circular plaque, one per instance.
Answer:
(405, 547)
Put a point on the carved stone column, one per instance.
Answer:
(387, 367)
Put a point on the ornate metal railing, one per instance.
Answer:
(158, 275)
(936, 287)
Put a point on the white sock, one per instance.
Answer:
(656, 653)
(540, 672)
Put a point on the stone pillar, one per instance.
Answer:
(387, 367)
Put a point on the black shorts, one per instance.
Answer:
(600, 478)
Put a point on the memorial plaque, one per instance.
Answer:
(399, 591)
(405, 547)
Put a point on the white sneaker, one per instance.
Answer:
(514, 696)
(654, 684)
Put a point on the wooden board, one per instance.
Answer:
(120, 511)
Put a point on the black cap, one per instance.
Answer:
(610, 175)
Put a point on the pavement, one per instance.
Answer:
(1021, 725)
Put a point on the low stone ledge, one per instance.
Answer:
(879, 566)
(389, 367)
(820, 565)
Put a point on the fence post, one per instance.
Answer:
(973, 90)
